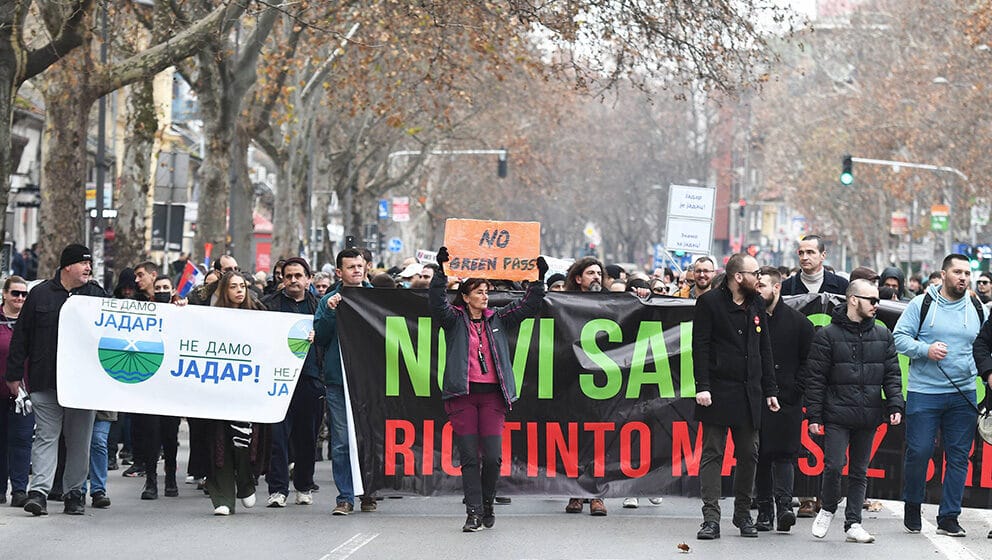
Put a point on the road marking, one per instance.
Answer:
(950, 547)
(350, 546)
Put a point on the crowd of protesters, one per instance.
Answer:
(760, 370)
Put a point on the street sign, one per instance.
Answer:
(395, 244)
(938, 217)
(900, 223)
(383, 209)
(401, 209)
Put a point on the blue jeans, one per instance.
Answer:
(340, 457)
(15, 448)
(98, 457)
(956, 418)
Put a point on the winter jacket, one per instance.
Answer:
(955, 323)
(455, 322)
(6, 332)
(982, 350)
(279, 301)
(35, 342)
(732, 358)
(895, 272)
(325, 328)
(849, 366)
(791, 334)
(832, 284)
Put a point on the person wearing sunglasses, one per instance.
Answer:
(983, 287)
(735, 379)
(15, 428)
(851, 362)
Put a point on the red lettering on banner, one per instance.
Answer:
(568, 450)
(447, 466)
(807, 467)
(729, 461)
(508, 428)
(682, 446)
(931, 469)
(428, 449)
(532, 449)
(986, 465)
(405, 449)
(644, 435)
(599, 430)
(875, 444)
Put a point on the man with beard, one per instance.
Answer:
(812, 277)
(936, 332)
(703, 271)
(791, 333)
(735, 380)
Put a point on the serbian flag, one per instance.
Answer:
(191, 278)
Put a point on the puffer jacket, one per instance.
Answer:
(849, 366)
(455, 322)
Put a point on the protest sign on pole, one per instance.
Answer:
(192, 361)
(496, 250)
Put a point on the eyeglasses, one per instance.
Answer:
(871, 300)
(755, 273)
(704, 271)
(983, 282)
(18, 293)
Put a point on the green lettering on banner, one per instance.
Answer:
(687, 381)
(418, 363)
(819, 319)
(524, 336)
(614, 377)
(546, 360)
(650, 335)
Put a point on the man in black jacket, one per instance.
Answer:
(813, 278)
(735, 380)
(33, 348)
(850, 363)
(791, 333)
(299, 427)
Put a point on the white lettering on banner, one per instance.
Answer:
(200, 362)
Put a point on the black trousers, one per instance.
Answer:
(158, 433)
(298, 431)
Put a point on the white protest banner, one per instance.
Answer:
(192, 361)
(424, 256)
(557, 266)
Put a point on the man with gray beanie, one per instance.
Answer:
(32, 353)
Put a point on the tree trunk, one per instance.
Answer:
(242, 201)
(8, 90)
(63, 177)
(132, 207)
(284, 223)
(211, 223)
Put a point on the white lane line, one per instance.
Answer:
(350, 546)
(951, 547)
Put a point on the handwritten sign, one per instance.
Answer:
(691, 236)
(496, 250)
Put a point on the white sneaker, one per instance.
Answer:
(630, 503)
(277, 499)
(303, 498)
(656, 501)
(858, 534)
(822, 523)
(248, 502)
(222, 510)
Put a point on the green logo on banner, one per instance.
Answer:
(299, 334)
(130, 361)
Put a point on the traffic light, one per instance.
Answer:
(501, 163)
(741, 207)
(847, 171)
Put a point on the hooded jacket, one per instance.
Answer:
(325, 336)
(895, 272)
(849, 366)
(955, 323)
(455, 322)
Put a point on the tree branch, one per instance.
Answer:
(70, 36)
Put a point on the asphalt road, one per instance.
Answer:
(418, 527)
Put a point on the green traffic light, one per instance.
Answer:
(846, 178)
(975, 264)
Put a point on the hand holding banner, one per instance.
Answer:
(490, 249)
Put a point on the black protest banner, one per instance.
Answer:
(606, 401)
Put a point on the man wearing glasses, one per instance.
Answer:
(812, 277)
(984, 287)
(735, 379)
(850, 363)
(703, 271)
(936, 332)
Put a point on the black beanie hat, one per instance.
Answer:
(73, 254)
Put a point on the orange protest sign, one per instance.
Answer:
(496, 250)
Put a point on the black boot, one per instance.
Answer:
(488, 515)
(766, 514)
(473, 523)
(171, 488)
(786, 518)
(75, 503)
(150, 492)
